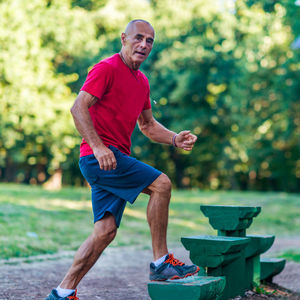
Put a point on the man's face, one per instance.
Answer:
(137, 43)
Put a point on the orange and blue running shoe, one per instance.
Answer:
(171, 268)
(54, 296)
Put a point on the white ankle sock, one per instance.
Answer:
(160, 260)
(64, 292)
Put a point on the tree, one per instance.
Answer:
(229, 73)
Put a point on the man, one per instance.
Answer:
(113, 98)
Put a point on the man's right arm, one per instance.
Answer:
(84, 125)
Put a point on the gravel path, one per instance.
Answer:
(120, 273)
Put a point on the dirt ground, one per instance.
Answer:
(120, 273)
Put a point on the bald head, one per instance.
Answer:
(137, 42)
(131, 26)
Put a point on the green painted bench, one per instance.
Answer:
(258, 244)
(221, 256)
(231, 220)
(271, 267)
(231, 254)
(190, 288)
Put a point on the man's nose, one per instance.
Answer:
(144, 43)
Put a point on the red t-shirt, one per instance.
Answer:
(122, 95)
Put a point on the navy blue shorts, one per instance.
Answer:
(112, 189)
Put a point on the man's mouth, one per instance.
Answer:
(140, 53)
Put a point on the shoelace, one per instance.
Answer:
(173, 261)
(74, 297)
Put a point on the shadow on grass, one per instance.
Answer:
(27, 230)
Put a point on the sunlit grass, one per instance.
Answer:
(35, 221)
(291, 255)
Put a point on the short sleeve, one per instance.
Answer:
(147, 104)
(98, 80)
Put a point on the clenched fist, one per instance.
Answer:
(185, 140)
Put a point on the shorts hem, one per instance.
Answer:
(143, 186)
(118, 222)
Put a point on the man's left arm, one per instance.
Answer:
(158, 133)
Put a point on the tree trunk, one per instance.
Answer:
(55, 181)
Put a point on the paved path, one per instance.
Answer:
(121, 273)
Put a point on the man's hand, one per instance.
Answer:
(185, 140)
(106, 158)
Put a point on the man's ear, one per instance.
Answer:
(123, 38)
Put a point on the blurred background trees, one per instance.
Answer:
(227, 70)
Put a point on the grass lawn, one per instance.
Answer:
(35, 221)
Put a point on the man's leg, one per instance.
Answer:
(104, 232)
(158, 212)
(163, 267)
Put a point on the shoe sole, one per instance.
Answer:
(177, 277)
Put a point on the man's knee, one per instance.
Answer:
(105, 230)
(105, 235)
(163, 184)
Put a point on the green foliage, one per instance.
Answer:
(232, 85)
(36, 132)
(227, 72)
